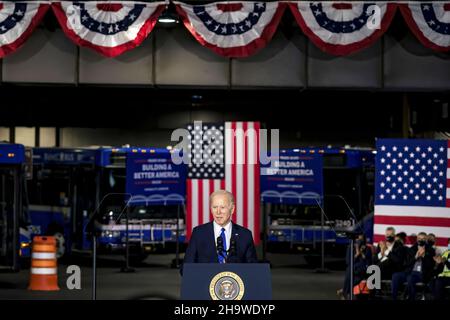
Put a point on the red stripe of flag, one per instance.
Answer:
(412, 221)
(244, 180)
(229, 7)
(212, 188)
(109, 7)
(200, 202)
(188, 209)
(234, 161)
(256, 173)
(342, 6)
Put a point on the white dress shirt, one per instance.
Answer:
(218, 231)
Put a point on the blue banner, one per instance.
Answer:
(153, 179)
(293, 179)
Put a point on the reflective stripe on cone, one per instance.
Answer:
(43, 255)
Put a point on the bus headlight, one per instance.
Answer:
(110, 234)
(24, 245)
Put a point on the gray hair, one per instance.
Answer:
(222, 192)
(390, 229)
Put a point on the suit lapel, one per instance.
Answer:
(234, 231)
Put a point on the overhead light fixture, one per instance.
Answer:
(168, 18)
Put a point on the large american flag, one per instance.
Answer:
(413, 187)
(233, 165)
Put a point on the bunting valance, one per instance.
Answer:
(230, 28)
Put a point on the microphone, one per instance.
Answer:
(232, 250)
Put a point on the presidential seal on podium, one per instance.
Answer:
(226, 286)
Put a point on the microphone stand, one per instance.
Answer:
(92, 231)
(352, 256)
(351, 235)
(126, 268)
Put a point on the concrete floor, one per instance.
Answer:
(154, 279)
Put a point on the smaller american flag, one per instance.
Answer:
(413, 187)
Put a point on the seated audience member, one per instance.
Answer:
(362, 258)
(431, 240)
(397, 259)
(383, 254)
(401, 236)
(443, 278)
(418, 267)
(399, 254)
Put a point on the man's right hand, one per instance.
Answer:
(438, 259)
(383, 247)
(420, 252)
(357, 250)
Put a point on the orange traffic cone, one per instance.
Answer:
(44, 272)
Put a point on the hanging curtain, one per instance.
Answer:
(232, 29)
(430, 23)
(17, 22)
(341, 28)
(110, 28)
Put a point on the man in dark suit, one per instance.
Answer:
(221, 241)
(418, 267)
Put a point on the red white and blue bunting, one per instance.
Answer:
(109, 28)
(232, 29)
(17, 22)
(342, 28)
(430, 22)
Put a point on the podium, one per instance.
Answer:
(227, 281)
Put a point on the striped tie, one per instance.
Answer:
(223, 254)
